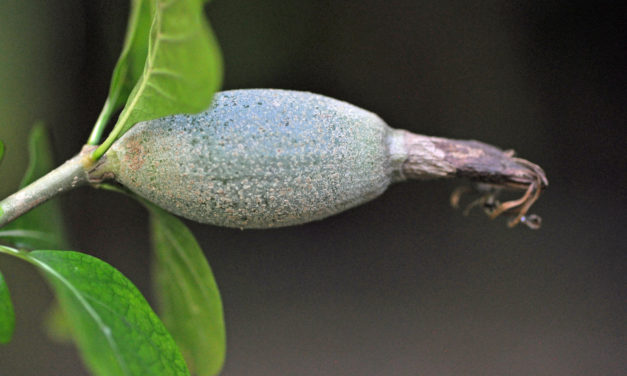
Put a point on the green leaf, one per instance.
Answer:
(42, 227)
(115, 329)
(187, 294)
(7, 315)
(183, 67)
(130, 65)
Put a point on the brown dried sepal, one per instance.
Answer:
(493, 171)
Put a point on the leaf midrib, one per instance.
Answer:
(104, 329)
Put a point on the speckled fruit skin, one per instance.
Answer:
(257, 159)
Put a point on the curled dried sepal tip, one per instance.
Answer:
(519, 175)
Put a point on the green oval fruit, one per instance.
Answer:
(257, 159)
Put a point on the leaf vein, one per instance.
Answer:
(82, 300)
(159, 90)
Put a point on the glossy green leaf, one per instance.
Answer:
(187, 294)
(7, 315)
(115, 329)
(182, 71)
(42, 227)
(130, 65)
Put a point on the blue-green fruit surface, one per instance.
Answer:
(257, 159)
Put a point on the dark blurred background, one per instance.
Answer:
(404, 285)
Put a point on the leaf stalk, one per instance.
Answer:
(101, 123)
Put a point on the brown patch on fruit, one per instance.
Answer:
(134, 154)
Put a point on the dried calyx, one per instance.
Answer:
(490, 170)
(521, 176)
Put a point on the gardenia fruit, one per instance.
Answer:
(268, 158)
